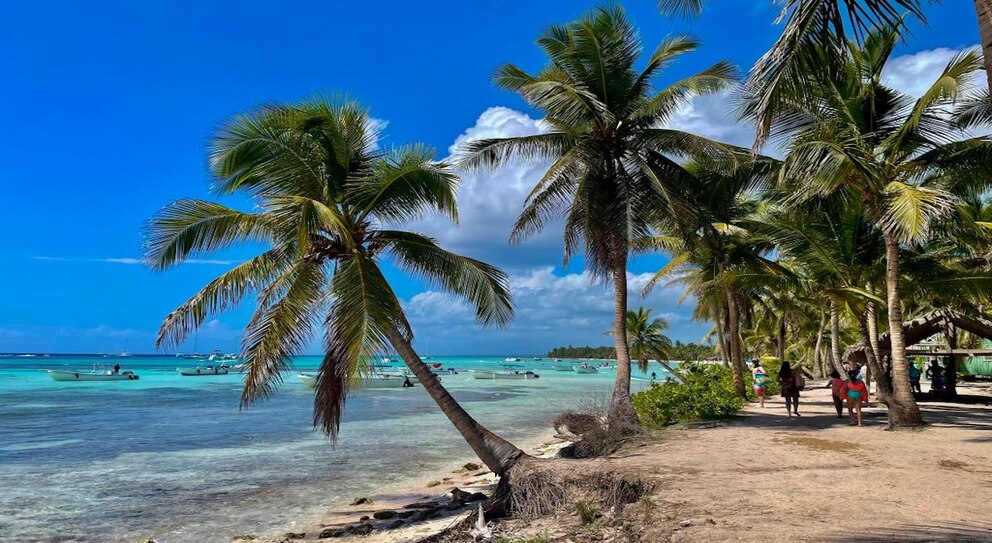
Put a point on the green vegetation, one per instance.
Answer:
(609, 353)
(702, 392)
(678, 351)
(588, 512)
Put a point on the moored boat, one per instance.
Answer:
(204, 370)
(94, 375)
(585, 368)
(505, 374)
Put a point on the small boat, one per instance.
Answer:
(374, 382)
(563, 367)
(308, 379)
(585, 368)
(511, 359)
(507, 373)
(93, 375)
(204, 370)
(557, 360)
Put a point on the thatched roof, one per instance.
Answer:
(921, 328)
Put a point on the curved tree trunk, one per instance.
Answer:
(736, 362)
(621, 408)
(495, 452)
(983, 8)
(835, 339)
(903, 411)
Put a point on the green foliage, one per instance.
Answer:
(706, 392)
(588, 512)
(691, 351)
(583, 352)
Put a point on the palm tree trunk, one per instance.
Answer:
(780, 347)
(835, 338)
(903, 411)
(983, 8)
(736, 362)
(951, 372)
(495, 452)
(817, 361)
(621, 408)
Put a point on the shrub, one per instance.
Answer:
(588, 512)
(702, 392)
(577, 423)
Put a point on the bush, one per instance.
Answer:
(706, 392)
(577, 423)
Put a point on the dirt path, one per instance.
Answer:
(765, 477)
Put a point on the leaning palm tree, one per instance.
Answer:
(324, 199)
(646, 338)
(906, 159)
(612, 157)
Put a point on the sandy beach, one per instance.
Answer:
(765, 477)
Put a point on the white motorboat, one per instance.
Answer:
(373, 382)
(585, 368)
(204, 370)
(92, 375)
(511, 359)
(505, 374)
(562, 367)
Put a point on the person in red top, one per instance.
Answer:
(856, 394)
(836, 385)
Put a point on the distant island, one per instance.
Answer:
(678, 351)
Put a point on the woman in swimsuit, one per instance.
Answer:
(836, 385)
(759, 381)
(790, 390)
(856, 393)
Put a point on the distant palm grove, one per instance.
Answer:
(871, 209)
(678, 351)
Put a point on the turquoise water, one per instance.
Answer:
(173, 458)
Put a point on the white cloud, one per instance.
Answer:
(913, 74)
(551, 309)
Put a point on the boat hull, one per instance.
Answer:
(562, 368)
(490, 375)
(579, 369)
(89, 376)
(195, 372)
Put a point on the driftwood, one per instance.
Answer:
(921, 328)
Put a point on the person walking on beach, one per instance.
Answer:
(760, 376)
(856, 393)
(836, 385)
(790, 389)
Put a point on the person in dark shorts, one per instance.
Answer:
(790, 390)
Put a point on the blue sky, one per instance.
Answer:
(108, 106)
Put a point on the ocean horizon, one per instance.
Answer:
(172, 457)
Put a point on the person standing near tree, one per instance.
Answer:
(790, 389)
(836, 385)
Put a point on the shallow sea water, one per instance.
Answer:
(173, 458)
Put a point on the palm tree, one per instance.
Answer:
(646, 338)
(904, 158)
(780, 73)
(324, 196)
(612, 158)
(712, 256)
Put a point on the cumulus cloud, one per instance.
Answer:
(913, 74)
(552, 310)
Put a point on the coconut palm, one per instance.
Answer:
(905, 158)
(780, 73)
(325, 198)
(646, 338)
(717, 261)
(611, 156)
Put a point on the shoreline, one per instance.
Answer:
(412, 510)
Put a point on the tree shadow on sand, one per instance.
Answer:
(922, 533)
